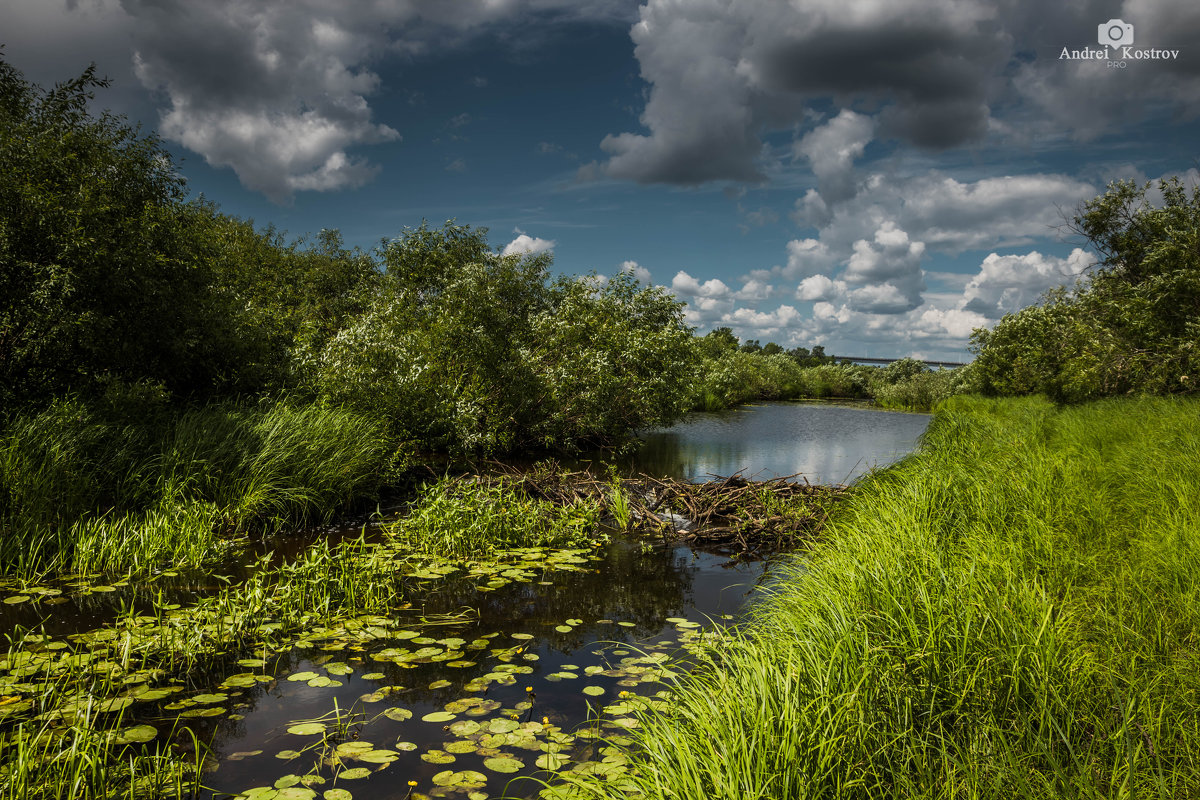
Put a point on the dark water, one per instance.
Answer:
(637, 583)
(825, 443)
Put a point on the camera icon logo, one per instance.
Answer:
(1114, 33)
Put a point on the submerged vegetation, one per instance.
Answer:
(1036, 638)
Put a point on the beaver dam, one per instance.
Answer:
(731, 515)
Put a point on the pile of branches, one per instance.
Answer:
(741, 515)
(732, 514)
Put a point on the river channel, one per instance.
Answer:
(528, 676)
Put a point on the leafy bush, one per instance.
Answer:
(1130, 327)
(488, 356)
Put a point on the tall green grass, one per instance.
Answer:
(1012, 612)
(466, 518)
(87, 489)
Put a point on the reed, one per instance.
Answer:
(463, 518)
(83, 489)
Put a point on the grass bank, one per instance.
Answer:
(94, 487)
(1013, 611)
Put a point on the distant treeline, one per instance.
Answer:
(732, 372)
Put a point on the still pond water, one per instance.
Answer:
(533, 673)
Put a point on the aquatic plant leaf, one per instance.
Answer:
(114, 704)
(627, 624)
(437, 757)
(260, 793)
(593, 690)
(322, 681)
(438, 716)
(302, 676)
(209, 699)
(551, 761)
(504, 764)
(440, 684)
(353, 774)
(287, 781)
(522, 636)
(398, 714)
(337, 794)
(563, 628)
(379, 756)
(287, 755)
(406, 746)
(466, 727)
(16, 599)
(244, 754)
(502, 725)
(307, 728)
(138, 733)
(374, 676)
(211, 711)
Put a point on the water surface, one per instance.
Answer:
(826, 443)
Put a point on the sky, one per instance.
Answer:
(879, 177)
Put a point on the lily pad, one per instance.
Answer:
(503, 764)
(307, 728)
(437, 757)
(593, 690)
(379, 756)
(502, 726)
(138, 733)
(353, 774)
(438, 716)
(302, 676)
(398, 714)
(551, 761)
(337, 794)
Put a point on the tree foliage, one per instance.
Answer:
(1131, 326)
(469, 351)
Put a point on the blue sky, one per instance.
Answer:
(877, 176)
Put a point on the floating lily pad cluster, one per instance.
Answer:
(123, 679)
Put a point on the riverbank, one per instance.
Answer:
(1011, 611)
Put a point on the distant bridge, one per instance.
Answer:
(865, 360)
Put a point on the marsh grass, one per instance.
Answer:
(87, 760)
(1013, 611)
(469, 518)
(87, 489)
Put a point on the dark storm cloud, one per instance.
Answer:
(935, 73)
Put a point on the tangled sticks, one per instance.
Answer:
(733, 514)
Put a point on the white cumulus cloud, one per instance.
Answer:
(525, 244)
